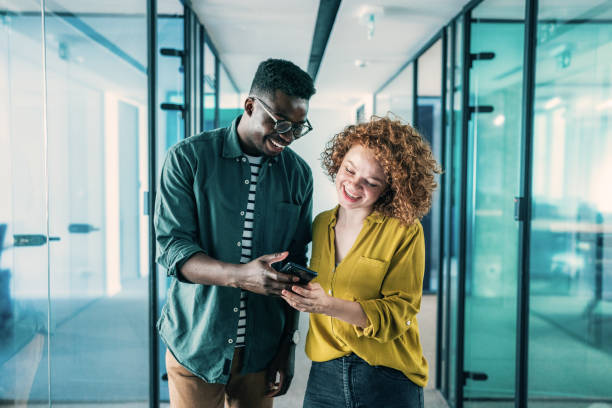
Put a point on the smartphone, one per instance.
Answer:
(305, 274)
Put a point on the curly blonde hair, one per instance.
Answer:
(405, 157)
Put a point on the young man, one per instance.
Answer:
(231, 203)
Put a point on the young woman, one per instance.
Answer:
(369, 254)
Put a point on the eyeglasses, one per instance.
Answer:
(283, 126)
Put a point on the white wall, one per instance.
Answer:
(326, 121)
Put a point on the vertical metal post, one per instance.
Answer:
(187, 58)
(522, 323)
(443, 182)
(415, 96)
(449, 207)
(217, 81)
(465, 118)
(152, 150)
(201, 78)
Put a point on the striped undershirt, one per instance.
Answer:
(247, 243)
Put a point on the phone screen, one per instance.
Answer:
(305, 274)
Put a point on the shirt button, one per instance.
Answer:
(244, 159)
(246, 181)
(242, 213)
(238, 243)
(235, 310)
(230, 341)
(408, 323)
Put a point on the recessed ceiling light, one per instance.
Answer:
(360, 63)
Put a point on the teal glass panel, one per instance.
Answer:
(170, 127)
(446, 208)
(570, 303)
(455, 199)
(229, 99)
(210, 97)
(493, 182)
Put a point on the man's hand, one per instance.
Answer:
(258, 276)
(280, 371)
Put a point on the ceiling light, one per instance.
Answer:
(367, 16)
(360, 63)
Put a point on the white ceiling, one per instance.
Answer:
(249, 31)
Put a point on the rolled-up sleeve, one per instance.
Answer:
(175, 214)
(401, 290)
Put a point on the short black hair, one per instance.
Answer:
(278, 74)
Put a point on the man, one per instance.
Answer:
(231, 203)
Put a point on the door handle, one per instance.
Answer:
(81, 228)
(21, 240)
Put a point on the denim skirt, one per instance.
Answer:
(350, 382)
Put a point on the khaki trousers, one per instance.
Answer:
(242, 391)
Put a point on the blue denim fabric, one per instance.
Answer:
(350, 382)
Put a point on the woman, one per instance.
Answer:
(369, 254)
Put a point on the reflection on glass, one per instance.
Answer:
(229, 99)
(493, 174)
(455, 200)
(97, 175)
(571, 230)
(23, 261)
(397, 96)
(171, 128)
(210, 75)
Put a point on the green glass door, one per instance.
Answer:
(570, 299)
(492, 235)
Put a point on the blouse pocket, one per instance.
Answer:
(367, 277)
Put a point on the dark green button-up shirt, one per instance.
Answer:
(200, 207)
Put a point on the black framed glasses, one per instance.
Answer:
(283, 126)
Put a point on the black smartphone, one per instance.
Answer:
(305, 274)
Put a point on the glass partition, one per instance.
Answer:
(170, 126)
(97, 174)
(210, 89)
(229, 99)
(496, 44)
(24, 267)
(571, 228)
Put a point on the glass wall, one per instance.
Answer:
(397, 96)
(454, 237)
(210, 89)
(229, 99)
(76, 174)
(170, 123)
(496, 44)
(571, 229)
(24, 266)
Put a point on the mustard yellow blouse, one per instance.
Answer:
(383, 271)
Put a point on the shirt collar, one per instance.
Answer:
(231, 144)
(374, 217)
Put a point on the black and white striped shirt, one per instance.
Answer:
(247, 243)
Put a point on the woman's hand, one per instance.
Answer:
(310, 298)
